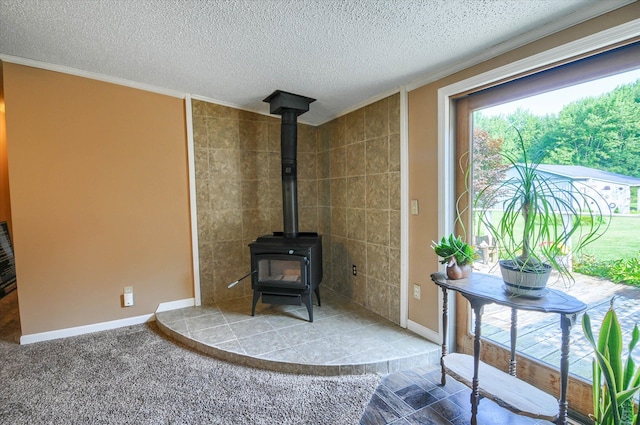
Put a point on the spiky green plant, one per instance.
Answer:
(454, 247)
(615, 381)
(541, 216)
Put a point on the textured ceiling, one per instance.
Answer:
(236, 52)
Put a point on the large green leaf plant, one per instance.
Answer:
(616, 381)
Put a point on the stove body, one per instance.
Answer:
(287, 266)
(287, 271)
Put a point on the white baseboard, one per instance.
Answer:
(113, 324)
(424, 332)
(80, 330)
(174, 305)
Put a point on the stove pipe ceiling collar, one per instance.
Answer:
(289, 106)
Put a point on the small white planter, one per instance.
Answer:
(524, 283)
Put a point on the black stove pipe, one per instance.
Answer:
(289, 106)
(288, 149)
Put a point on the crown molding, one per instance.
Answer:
(90, 75)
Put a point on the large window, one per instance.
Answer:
(585, 116)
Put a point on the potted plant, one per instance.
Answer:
(541, 217)
(456, 254)
(616, 381)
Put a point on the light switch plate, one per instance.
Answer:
(414, 207)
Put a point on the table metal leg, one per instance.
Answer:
(477, 345)
(445, 325)
(566, 322)
(514, 337)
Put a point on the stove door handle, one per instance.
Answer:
(232, 284)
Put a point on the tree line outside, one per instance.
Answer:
(601, 132)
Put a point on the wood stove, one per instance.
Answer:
(287, 271)
(287, 266)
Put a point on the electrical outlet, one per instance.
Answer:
(354, 270)
(128, 296)
(416, 291)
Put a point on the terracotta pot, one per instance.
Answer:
(454, 271)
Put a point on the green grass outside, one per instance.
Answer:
(621, 240)
(615, 255)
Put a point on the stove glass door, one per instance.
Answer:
(277, 270)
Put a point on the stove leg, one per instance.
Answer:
(307, 299)
(256, 297)
(317, 291)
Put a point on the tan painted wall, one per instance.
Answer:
(5, 201)
(423, 186)
(99, 184)
(423, 166)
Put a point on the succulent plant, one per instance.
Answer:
(452, 246)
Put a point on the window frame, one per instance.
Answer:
(455, 135)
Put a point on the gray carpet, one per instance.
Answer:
(135, 375)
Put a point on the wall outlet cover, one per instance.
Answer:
(128, 296)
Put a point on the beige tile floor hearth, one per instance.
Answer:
(344, 337)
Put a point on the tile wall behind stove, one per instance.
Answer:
(239, 190)
(348, 190)
(359, 205)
